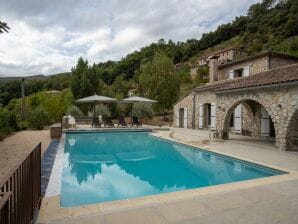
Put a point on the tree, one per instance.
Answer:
(80, 83)
(5, 122)
(102, 110)
(3, 27)
(74, 111)
(142, 110)
(159, 80)
(38, 118)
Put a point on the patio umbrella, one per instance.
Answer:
(137, 99)
(96, 99)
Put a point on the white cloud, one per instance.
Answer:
(48, 36)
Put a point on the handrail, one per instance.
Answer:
(4, 207)
(5, 178)
(4, 196)
(21, 190)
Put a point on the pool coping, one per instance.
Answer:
(51, 209)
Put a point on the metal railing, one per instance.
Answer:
(20, 191)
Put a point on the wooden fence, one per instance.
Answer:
(20, 192)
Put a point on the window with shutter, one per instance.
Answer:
(185, 118)
(213, 116)
(238, 119)
(201, 116)
(265, 123)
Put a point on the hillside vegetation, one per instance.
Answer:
(269, 25)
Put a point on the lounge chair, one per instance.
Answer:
(109, 122)
(135, 121)
(121, 121)
(97, 122)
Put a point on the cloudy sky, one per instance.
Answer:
(47, 37)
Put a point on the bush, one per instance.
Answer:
(142, 110)
(74, 111)
(5, 123)
(102, 110)
(38, 118)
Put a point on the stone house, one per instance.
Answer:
(255, 96)
(223, 56)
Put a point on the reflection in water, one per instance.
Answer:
(111, 166)
(72, 141)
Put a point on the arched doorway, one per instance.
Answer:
(248, 117)
(292, 138)
(241, 120)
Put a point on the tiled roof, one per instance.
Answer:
(276, 76)
(263, 54)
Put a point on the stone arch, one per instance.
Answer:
(233, 103)
(291, 139)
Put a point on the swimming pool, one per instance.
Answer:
(100, 167)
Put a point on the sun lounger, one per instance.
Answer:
(109, 123)
(122, 122)
(98, 122)
(136, 122)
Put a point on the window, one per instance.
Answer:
(238, 73)
(209, 114)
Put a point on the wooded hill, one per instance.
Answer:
(270, 25)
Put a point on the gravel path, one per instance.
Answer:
(15, 147)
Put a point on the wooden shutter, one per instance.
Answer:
(265, 123)
(213, 116)
(231, 74)
(201, 116)
(185, 118)
(177, 118)
(238, 119)
(246, 71)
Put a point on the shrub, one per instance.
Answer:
(5, 123)
(142, 110)
(102, 110)
(38, 118)
(74, 111)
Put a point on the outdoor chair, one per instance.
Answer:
(71, 121)
(109, 123)
(97, 122)
(136, 122)
(121, 121)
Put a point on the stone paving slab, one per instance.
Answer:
(226, 207)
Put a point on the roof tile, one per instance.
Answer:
(275, 76)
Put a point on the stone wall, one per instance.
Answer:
(186, 102)
(247, 120)
(202, 98)
(213, 70)
(280, 103)
(255, 66)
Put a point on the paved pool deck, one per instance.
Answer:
(266, 200)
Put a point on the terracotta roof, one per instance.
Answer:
(210, 54)
(263, 54)
(228, 49)
(276, 76)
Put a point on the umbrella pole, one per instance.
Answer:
(93, 115)
(131, 114)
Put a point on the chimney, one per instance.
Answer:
(213, 68)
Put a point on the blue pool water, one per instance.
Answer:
(101, 167)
